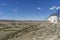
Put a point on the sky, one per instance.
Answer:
(27, 9)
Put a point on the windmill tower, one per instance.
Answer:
(54, 17)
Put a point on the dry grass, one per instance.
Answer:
(30, 31)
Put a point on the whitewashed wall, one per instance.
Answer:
(49, 18)
(52, 18)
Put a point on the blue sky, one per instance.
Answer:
(27, 9)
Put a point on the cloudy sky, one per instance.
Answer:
(27, 9)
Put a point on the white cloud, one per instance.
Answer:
(15, 9)
(39, 8)
(3, 4)
(57, 7)
(52, 7)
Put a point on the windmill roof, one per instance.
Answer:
(54, 14)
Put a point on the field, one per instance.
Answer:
(29, 30)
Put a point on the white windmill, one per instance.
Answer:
(54, 17)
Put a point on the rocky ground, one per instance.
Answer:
(36, 32)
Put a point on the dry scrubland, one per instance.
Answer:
(29, 31)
